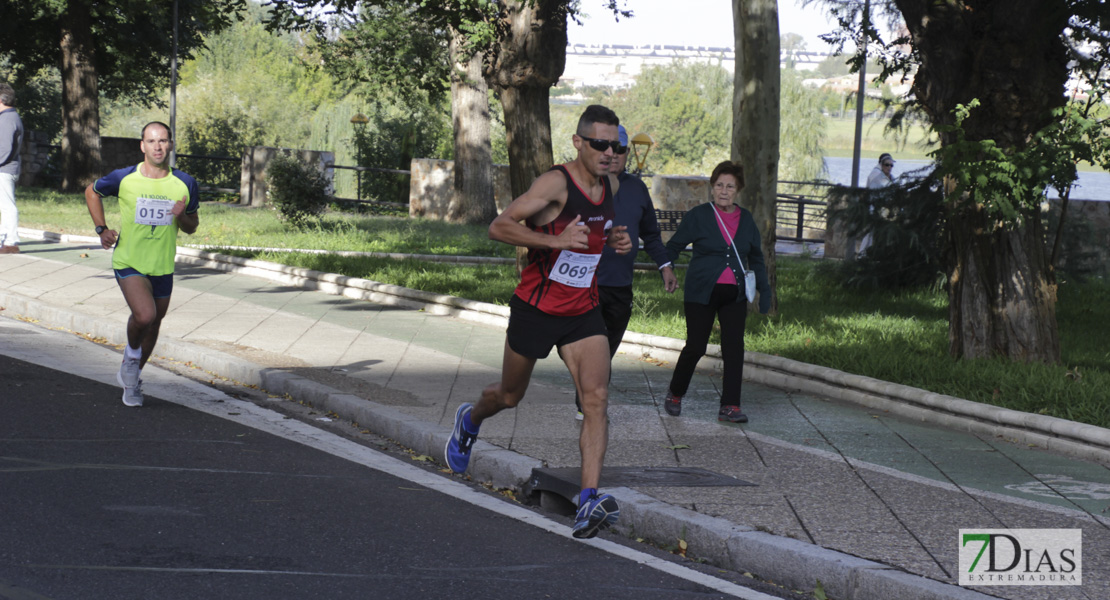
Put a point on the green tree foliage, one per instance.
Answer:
(801, 130)
(398, 63)
(115, 48)
(687, 108)
(391, 48)
(253, 87)
(395, 133)
(253, 79)
(523, 44)
(39, 98)
(132, 38)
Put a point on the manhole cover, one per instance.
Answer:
(565, 481)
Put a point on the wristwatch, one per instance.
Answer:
(100, 229)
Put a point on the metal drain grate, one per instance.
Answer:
(565, 481)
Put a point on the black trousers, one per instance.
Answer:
(732, 315)
(616, 310)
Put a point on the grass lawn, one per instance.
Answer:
(230, 225)
(897, 337)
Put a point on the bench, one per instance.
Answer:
(669, 219)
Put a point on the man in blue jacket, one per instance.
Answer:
(614, 273)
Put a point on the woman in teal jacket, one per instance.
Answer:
(713, 287)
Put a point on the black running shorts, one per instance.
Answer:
(533, 333)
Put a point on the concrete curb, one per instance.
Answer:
(785, 560)
(1059, 435)
(744, 549)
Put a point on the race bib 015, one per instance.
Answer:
(150, 211)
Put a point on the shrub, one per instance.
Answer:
(298, 191)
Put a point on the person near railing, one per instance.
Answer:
(726, 245)
(879, 178)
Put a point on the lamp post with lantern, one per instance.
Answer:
(359, 122)
(641, 143)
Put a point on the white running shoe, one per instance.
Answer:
(128, 375)
(133, 396)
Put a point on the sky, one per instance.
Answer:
(689, 23)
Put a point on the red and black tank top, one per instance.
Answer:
(564, 282)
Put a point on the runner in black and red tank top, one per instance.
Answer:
(569, 214)
(562, 282)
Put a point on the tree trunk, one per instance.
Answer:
(472, 198)
(1010, 56)
(755, 110)
(80, 101)
(527, 134)
(530, 58)
(999, 291)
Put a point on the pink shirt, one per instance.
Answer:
(732, 222)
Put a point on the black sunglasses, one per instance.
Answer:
(888, 164)
(602, 145)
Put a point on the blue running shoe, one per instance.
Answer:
(597, 514)
(457, 451)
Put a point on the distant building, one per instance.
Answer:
(618, 66)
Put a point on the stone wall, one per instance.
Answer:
(1086, 237)
(431, 183)
(33, 154)
(430, 189)
(252, 179)
(669, 192)
(117, 153)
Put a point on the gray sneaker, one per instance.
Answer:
(133, 396)
(128, 375)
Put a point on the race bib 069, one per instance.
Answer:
(574, 269)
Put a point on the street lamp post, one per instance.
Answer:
(359, 121)
(173, 88)
(644, 142)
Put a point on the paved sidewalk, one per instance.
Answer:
(867, 502)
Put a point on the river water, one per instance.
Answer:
(1091, 185)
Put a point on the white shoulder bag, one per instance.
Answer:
(749, 276)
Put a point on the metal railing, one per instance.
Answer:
(359, 171)
(801, 211)
(211, 189)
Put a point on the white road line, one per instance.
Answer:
(97, 363)
(263, 419)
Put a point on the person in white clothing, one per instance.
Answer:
(880, 177)
(11, 140)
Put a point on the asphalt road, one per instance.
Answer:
(163, 502)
